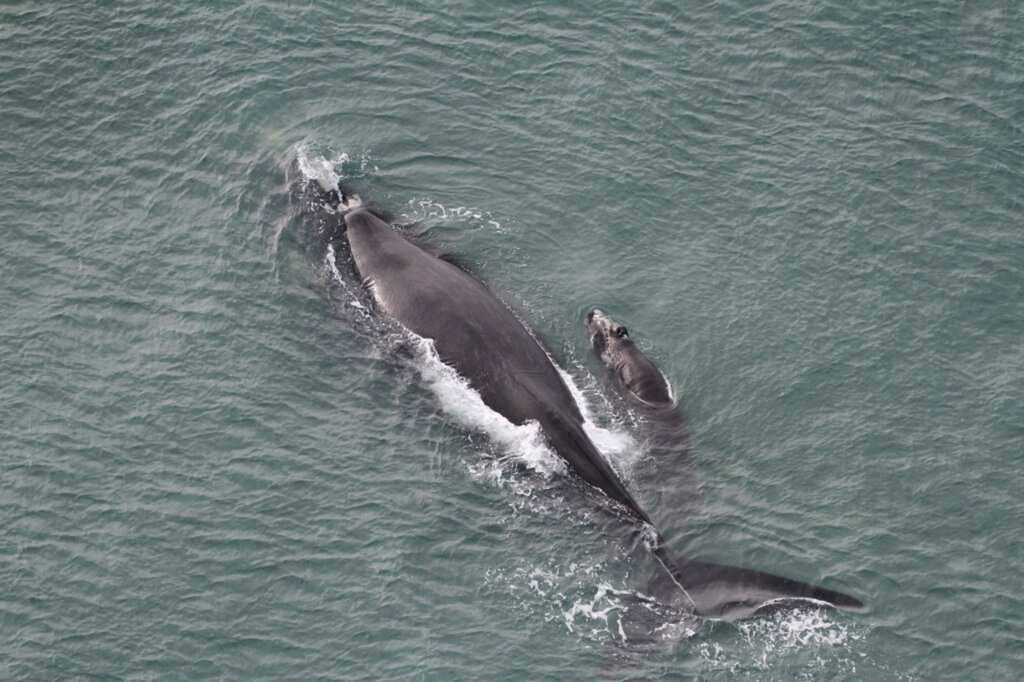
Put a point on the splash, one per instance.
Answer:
(322, 165)
(523, 443)
(428, 211)
(588, 604)
(797, 628)
(802, 641)
(350, 295)
(617, 445)
(328, 167)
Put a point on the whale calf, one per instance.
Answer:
(642, 383)
(482, 339)
(637, 375)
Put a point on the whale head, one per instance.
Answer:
(606, 335)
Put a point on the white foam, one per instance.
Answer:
(792, 628)
(427, 210)
(617, 446)
(593, 610)
(524, 443)
(332, 266)
(331, 261)
(805, 637)
(323, 167)
(588, 605)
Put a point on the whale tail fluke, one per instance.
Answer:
(730, 592)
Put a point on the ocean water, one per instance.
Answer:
(217, 462)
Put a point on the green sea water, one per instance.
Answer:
(218, 463)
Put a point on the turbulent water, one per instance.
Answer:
(217, 461)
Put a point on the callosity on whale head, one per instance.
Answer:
(606, 335)
(639, 377)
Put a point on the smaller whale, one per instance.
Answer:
(642, 382)
(638, 375)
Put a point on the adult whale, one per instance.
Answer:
(476, 334)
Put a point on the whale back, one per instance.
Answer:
(640, 377)
(476, 334)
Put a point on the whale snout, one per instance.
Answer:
(598, 322)
(595, 313)
(598, 328)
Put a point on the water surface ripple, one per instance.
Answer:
(216, 465)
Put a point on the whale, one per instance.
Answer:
(637, 375)
(643, 384)
(485, 342)
(645, 387)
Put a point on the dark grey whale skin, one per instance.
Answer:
(476, 334)
(644, 385)
(482, 339)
